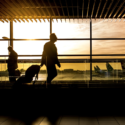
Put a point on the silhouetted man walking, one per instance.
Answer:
(12, 64)
(50, 58)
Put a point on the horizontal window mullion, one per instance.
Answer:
(68, 60)
(66, 39)
(71, 55)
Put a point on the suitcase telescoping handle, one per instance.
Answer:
(36, 76)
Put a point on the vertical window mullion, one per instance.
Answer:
(11, 33)
(90, 49)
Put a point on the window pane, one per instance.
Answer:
(3, 70)
(4, 30)
(29, 47)
(108, 46)
(108, 28)
(73, 72)
(73, 47)
(76, 28)
(35, 30)
(3, 47)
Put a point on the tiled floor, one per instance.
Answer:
(64, 120)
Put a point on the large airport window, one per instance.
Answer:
(31, 30)
(73, 28)
(108, 28)
(74, 55)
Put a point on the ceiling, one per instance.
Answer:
(38, 10)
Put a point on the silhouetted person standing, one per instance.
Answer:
(12, 64)
(50, 58)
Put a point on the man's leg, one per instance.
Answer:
(12, 77)
(52, 73)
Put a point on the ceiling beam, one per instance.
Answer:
(23, 20)
(18, 7)
(5, 20)
(18, 20)
(123, 16)
(41, 10)
(62, 9)
(14, 20)
(35, 8)
(113, 9)
(37, 17)
(10, 19)
(52, 10)
(121, 12)
(103, 8)
(33, 13)
(121, 5)
(72, 8)
(35, 20)
(46, 8)
(67, 9)
(93, 9)
(7, 13)
(83, 9)
(27, 20)
(57, 10)
(31, 20)
(108, 9)
(88, 9)
(44, 20)
(5, 5)
(39, 20)
(77, 9)
(1, 20)
(14, 7)
(27, 12)
(98, 9)
(2, 14)
(4, 9)
(10, 7)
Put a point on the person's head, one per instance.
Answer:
(53, 37)
(10, 48)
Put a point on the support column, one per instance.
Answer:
(11, 33)
(90, 49)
